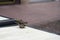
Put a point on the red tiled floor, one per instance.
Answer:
(33, 13)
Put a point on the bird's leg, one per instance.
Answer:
(21, 23)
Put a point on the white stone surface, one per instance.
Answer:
(15, 33)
